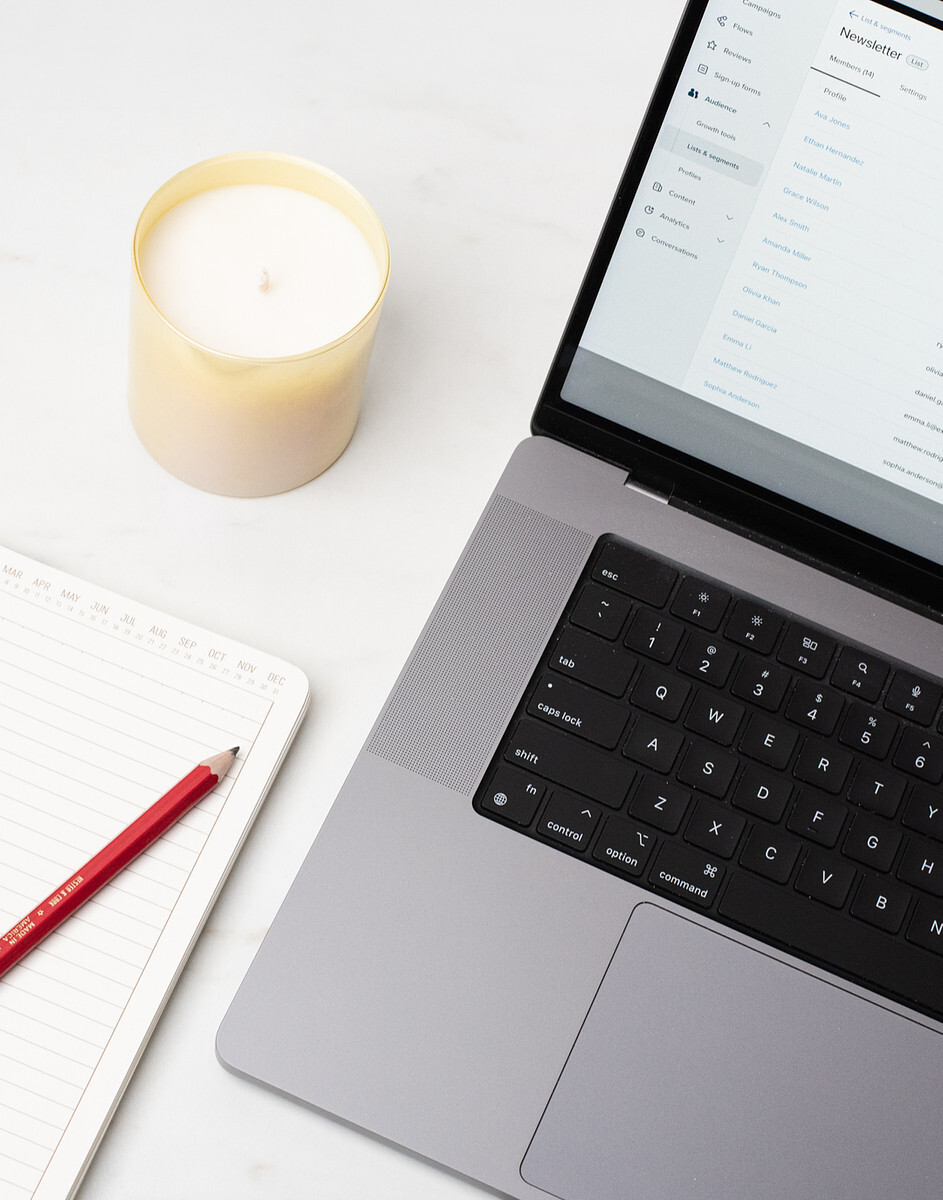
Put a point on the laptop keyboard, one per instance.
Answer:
(718, 751)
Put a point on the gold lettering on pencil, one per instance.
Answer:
(19, 931)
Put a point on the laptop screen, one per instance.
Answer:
(773, 303)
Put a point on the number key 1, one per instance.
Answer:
(654, 635)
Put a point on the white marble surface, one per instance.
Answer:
(489, 137)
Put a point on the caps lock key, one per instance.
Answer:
(579, 710)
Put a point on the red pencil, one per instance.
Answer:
(81, 886)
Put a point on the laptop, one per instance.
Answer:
(636, 888)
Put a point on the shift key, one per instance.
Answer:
(570, 763)
(578, 710)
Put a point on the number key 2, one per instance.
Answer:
(707, 658)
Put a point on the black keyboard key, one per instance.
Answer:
(754, 626)
(571, 763)
(513, 794)
(869, 730)
(807, 649)
(569, 820)
(921, 754)
(914, 697)
(814, 707)
(579, 710)
(824, 764)
(872, 842)
(714, 716)
(601, 611)
(926, 926)
(635, 573)
(660, 803)
(924, 812)
(922, 866)
(763, 793)
(859, 673)
(701, 603)
(762, 683)
(768, 741)
(878, 789)
(624, 845)
(654, 635)
(660, 692)
(771, 853)
(818, 818)
(882, 903)
(707, 659)
(850, 947)
(825, 879)
(688, 873)
(592, 661)
(653, 745)
(715, 828)
(707, 768)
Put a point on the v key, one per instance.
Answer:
(826, 879)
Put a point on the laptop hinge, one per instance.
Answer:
(647, 490)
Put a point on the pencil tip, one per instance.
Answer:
(234, 750)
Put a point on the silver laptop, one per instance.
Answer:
(636, 889)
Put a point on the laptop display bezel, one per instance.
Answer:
(696, 484)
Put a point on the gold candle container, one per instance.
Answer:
(244, 426)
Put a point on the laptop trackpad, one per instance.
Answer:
(707, 1069)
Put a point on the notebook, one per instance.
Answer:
(636, 887)
(104, 705)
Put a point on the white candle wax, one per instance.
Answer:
(259, 270)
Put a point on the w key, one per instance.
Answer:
(715, 717)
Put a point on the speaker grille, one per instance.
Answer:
(459, 687)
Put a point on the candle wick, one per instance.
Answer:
(265, 283)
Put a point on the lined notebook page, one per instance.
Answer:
(104, 705)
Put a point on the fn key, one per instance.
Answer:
(513, 795)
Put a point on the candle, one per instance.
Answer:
(259, 270)
(256, 293)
